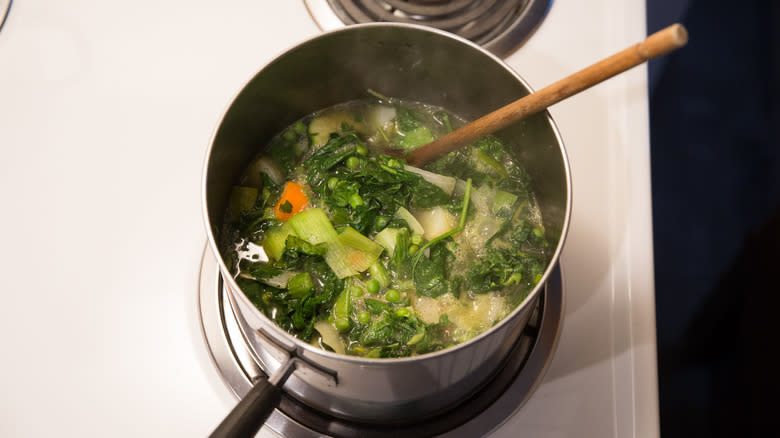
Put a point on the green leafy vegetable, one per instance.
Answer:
(430, 273)
(337, 149)
(286, 207)
(356, 262)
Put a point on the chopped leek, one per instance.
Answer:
(313, 226)
(275, 240)
(352, 238)
(414, 225)
(387, 238)
(351, 253)
(337, 258)
(330, 336)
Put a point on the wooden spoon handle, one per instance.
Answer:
(657, 44)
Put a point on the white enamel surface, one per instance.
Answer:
(105, 113)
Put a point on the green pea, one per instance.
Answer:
(343, 324)
(372, 286)
(364, 317)
(353, 162)
(361, 150)
(416, 239)
(333, 182)
(413, 249)
(300, 128)
(355, 200)
(381, 222)
(357, 291)
(393, 296)
(403, 312)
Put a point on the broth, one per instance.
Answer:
(359, 253)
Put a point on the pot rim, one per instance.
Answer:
(278, 331)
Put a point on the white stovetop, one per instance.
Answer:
(106, 109)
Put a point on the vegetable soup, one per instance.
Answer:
(361, 254)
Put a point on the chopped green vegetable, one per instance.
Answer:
(337, 258)
(387, 238)
(313, 226)
(341, 310)
(294, 245)
(352, 270)
(286, 207)
(412, 222)
(300, 285)
(379, 275)
(275, 240)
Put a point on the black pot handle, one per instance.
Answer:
(250, 413)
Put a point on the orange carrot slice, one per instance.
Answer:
(292, 201)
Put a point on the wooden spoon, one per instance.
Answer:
(657, 44)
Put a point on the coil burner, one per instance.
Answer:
(499, 26)
(483, 412)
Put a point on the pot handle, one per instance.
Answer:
(250, 413)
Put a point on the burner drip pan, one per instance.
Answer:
(499, 399)
(499, 26)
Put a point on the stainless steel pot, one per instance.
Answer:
(404, 61)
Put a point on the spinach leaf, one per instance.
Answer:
(427, 195)
(376, 306)
(505, 266)
(399, 262)
(260, 270)
(294, 246)
(298, 314)
(333, 152)
(409, 118)
(392, 329)
(397, 336)
(430, 273)
(382, 190)
(435, 337)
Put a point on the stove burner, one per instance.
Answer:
(483, 412)
(499, 26)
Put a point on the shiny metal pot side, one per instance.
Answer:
(403, 61)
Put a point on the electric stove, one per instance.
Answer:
(106, 111)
